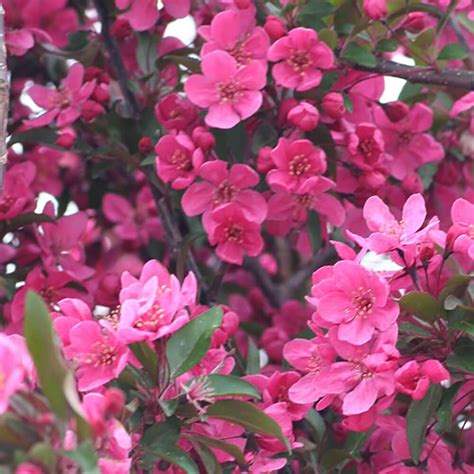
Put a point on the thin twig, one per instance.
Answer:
(116, 59)
(269, 288)
(4, 92)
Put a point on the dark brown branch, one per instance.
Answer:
(116, 58)
(269, 288)
(459, 78)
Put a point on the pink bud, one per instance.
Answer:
(426, 252)
(275, 27)
(435, 371)
(90, 110)
(375, 9)
(203, 138)
(114, 401)
(264, 160)
(242, 4)
(121, 29)
(396, 110)
(67, 138)
(412, 184)
(304, 116)
(101, 93)
(333, 105)
(145, 145)
(373, 180)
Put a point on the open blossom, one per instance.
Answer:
(414, 379)
(221, 186)
(295, 162)
(100, 356)
(354, 299)
(231, 94)
(232, 233)
(143, 14)
(462, 215)
(178, 160)
(387, 232)
(232, 32)
(63, 104)
(154, 305)
(310, 195)
(300, 58)
(406, 140)
(365, 146)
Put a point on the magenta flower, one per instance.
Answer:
(154, 305)
(175, 112)
(231, 94)
(407, 142)
(143, 14)
(462, 215)
(178, 160)
(231, 31)
(221, 186)
(387, 232)
(366, 146)
(100, 356)
(355, 300)
(311, 195)
(301, 57)
(63, 104)
(296, 161)
(234, 235)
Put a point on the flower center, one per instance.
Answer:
(234, 233)
(393, 229)
(314, 364)
(239, 53)
(47, 294)
(6, 202)
(228, 91)
(363, 372)
(405, 137)
(299, 165)
(362, 302)
(368, 148)
(181, 160)
(299, 60)
(224, 193)
(304, 200)
(61, 99)
(101, 354)
(113, 317)
(152, 319)
(470, 231)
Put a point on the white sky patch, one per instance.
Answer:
(379, 263)
(184, 29)
(394, 85)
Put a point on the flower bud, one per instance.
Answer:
(275, 27)
(121, 29)
(375, 9)
(101, 94)
(412, 184)
(333, 105)
(396, 110)
(426, 252)
(242, 4)
(373, 180)
(264, 160)
(203, 138)
(90, 110)
(145, 145)
(114, 401)
(67, 138)
(304, 116)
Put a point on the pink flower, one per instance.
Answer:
(175, 112)
(406, 141)
(314, 358)
(234, 235)
(366, 146)
(464, 104)
(143, 14)
(221, 186)
(304, 116)
(375, 9)
(231, 94)
(178, 160)
(355, 300)
(310, 195)
(296, 161)
(413, 379)
(63, 104)
(12, 370)
(154, 305)
(100, 356)
(389, 233)
(300, 56)
(73, 311)
(232, 32)
(462, 215)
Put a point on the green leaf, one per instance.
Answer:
(456, 285)
(386, 46)
(314, 231)
(348, 103)
(253, 358)
(246, 415)
(421, 304)
(354, 443)
(189, 345)
(453, 51)
(45, 136)
(43, 453)
(161, 434)
(357, 54)
(221, 446)
(445, 410)
(177, 457)
(43, 347)
(222, 385)
(418, 417)
(265, 135)
(463, 356)
(208, 459)
(312, 13)
(146, 53)
(333, 458)
(86, 456)
(147, 357)
(329, 37)
(316, 422)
